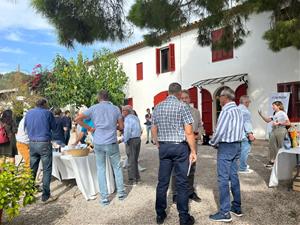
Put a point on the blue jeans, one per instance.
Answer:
(42, 151)
(245, 149)
(148, 129)
(111, 150)
(177, 156)
(228, 154)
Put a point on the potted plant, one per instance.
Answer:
(16, 189)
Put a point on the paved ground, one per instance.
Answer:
(261, 205)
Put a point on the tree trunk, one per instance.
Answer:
(1, 210)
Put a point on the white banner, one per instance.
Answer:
(284, 97)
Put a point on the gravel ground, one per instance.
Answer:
(261, 205)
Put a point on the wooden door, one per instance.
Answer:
(206, 99)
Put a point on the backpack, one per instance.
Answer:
(3, 136)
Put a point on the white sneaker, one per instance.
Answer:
(50, 199)
(246, 171)
(141, 169)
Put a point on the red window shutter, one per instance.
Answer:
(139, 71)
(171, 57)
(130, 102)
(220, 54)
(216, 36)
(157, 61)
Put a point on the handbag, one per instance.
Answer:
(3, 135)
(287, 142)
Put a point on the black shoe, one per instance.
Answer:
(190, 221)
(236, 212)
(152, 142)
(130, 183)
(195, 197)
(147, 142)
(174, 199)
(161, 219)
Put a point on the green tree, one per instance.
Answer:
(84, 21)
(284, 30)
(78, 82)
(88, 21)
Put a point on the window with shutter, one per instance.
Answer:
(165, 59)
(219, 54)
(139, 71)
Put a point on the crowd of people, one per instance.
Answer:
(175, 127)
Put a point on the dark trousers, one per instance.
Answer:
(191, 179)
(133, 147)
(42, 151)
(228, 154)
(173, 156)
(67, 137)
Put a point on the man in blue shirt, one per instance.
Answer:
(247, 136)
(106, 118)
(132, 140)
(39, 122)
(58, 134)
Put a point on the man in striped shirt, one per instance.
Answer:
(227, 138)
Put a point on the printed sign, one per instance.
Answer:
(284, 97)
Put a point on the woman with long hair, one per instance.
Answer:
(279, 122)
(8, 150)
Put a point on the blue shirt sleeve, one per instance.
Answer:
(52, 121)
(127, 129)
(89, 112)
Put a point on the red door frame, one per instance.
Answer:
(160, 97)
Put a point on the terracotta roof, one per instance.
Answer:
(142, 44)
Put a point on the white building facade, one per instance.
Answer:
(252, 69)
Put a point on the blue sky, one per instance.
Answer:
(27, 39)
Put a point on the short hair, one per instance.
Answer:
(57, 112)
(103, 95)
(174, 88)
(42, 102)
(229, 93)
(67, 111)
(128, 108)
(244, 98)
(186, 92)
(279, 104)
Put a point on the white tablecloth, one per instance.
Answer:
(83, 170)
(284, 164)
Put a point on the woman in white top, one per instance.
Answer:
(279, 122)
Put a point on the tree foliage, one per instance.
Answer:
(16, 189)
(84, 21)
(284, 30)
(77, 82)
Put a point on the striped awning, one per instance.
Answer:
(218, 80)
